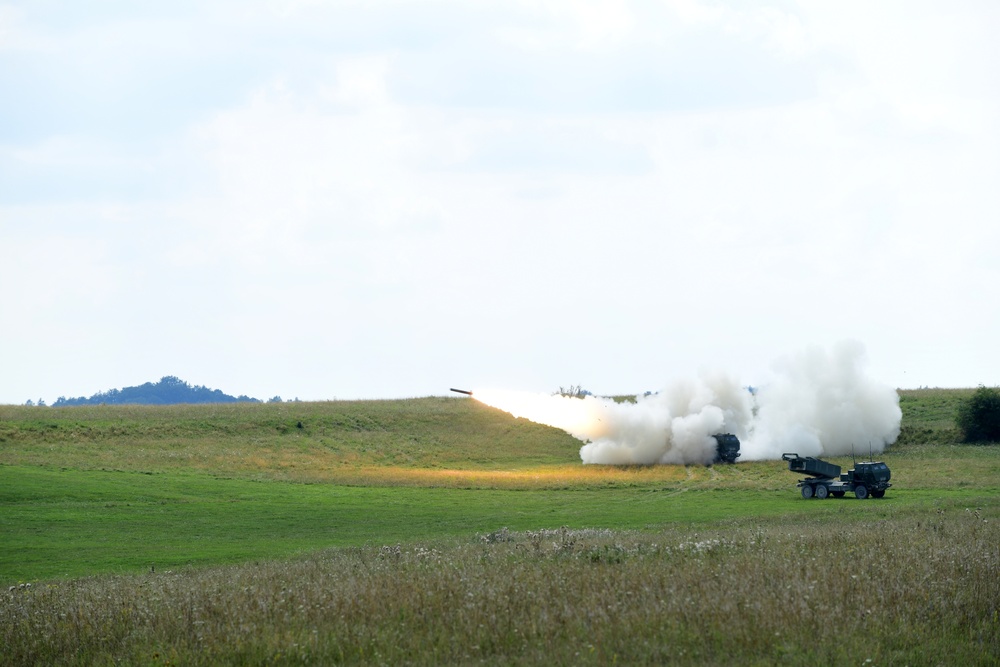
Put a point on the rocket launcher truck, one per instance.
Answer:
(865, 479)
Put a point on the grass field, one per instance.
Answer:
(437, 530)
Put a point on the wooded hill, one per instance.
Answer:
(170, 390)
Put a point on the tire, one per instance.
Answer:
(861, 492)
(822, 492)
(807, 491)
(878, 494)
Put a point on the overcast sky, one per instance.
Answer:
(386, 199)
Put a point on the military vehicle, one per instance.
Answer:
(727, 448)
(868, 478)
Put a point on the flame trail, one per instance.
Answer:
(820, 403)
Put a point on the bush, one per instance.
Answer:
(979, 416)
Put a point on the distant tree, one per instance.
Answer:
(30, 403)
(574, 391)
(41, 402)
(979, 416)
(275, 399)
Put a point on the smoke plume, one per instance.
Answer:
(820, 402)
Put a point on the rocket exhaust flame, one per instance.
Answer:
(819, 403)
(581, 418)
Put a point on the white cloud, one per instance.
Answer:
(588, 25)
(776, 29)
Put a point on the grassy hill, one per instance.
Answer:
(438, 530)
(359, 442)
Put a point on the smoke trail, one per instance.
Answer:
(820, 402)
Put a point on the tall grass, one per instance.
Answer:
(916, 590)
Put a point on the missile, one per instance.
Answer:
(462, 391)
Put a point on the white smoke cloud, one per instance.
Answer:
(820, 402)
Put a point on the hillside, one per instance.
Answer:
(343, 441)
(929, 415)
(434, 441)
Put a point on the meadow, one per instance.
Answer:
(439, 531)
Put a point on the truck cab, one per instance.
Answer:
(874, 475)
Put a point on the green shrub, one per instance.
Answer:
(979, 416)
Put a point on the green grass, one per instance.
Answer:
(68, 522)
(929, 415)
(437, 530)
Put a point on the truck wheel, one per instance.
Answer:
(861, 492)
(822, 492)
(807, 492)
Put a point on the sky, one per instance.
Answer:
(385, 199)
